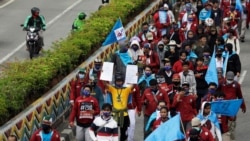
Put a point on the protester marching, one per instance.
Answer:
(180, 72)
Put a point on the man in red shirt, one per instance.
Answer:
(76, 85)
(177, 68)
(84, 110)
(199, 133)
(46, 132)
(150, 99)
(185, 103)
(232, 90)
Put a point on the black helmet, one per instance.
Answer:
(82, 16)
(35, 11)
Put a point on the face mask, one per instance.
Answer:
(81, 76)
(154, 90)
(206, 55)
(135, 48)
(176, 83)
(168, 68)
(119, 85)
(106, 114)
(148, 74)
(229, 81)
(86, 93)
(219, 55)
(190, 19)
(212, 91)
(186, 91)
(160, 49)
(97, 67)
(46, 128)
(197, 128)
(145, 31)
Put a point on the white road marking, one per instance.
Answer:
(7, 3)
(48, 24)
(242, 77)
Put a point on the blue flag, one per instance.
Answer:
(168, 131)
(117, 34)
(238, 6)
(211, 75)
(226, 107)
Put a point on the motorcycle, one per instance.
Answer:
(32, 39)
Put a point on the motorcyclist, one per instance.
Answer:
(37, 21)
(79, 22)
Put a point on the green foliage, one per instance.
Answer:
(23, 82)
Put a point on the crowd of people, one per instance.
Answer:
(173, 53)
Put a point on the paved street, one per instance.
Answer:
(60, 14)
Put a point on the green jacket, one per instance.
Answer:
(78, 24)
(38, 22)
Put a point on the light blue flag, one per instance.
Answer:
(168, 131)
(211, 75)
(225, 65)
(226, 107)
(238, 6)
(117, 34)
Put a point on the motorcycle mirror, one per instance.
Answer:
(21, 25)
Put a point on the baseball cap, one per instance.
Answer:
(230, 75)
(150, 36)
(195, 121)
(82, 70)
(47, 119)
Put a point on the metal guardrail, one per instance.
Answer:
(56, 101)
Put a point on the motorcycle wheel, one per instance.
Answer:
(32, 51)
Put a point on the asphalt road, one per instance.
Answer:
(59, 15)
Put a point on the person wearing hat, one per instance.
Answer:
(185, 103)
(76, 85)
(198, 133)
(172, 53)
(46, 132)
(232, 90)
(205, 12)
(233, 63)
(79, 22)
(150, 98)
(151, 58)
(84, 110)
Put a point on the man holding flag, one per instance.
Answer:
(232, 90)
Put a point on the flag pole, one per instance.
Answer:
(182, 126)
